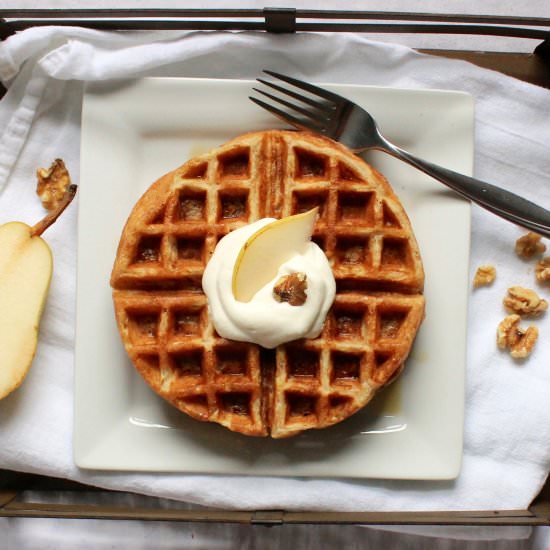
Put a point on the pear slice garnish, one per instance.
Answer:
(267, 249)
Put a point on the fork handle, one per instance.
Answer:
(498, 201)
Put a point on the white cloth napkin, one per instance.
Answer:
(507, 424)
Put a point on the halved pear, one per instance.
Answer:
(267, 249)
(25, 273)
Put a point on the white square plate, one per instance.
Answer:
(132, 133)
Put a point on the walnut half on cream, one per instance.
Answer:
(520, 342)
(291, 288)
(524, 301)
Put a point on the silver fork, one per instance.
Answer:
(336, 117)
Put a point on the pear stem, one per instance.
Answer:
(44, 223)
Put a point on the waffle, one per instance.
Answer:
(162, 312)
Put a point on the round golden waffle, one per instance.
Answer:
(162, 312)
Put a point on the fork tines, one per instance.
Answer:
(314, 113)
(314, 90)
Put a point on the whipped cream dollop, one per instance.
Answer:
(264, 320)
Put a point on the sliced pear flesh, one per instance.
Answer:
(25, 272)
(267, 249)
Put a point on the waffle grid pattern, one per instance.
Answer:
(162, 312)
(323, 381)
(176, 350)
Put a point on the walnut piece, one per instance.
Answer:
(520, 342)
(52, 184)
(291, 288)
(524, 301)
(542, 270)
(529, 245)
(485, 275)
